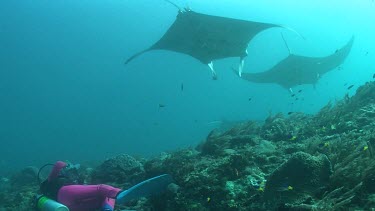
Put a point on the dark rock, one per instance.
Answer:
(27, 176)
(300, 175)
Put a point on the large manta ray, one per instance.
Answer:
(296, 70)
(208, 38)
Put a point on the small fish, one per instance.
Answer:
(339, 68)
(299, 91)
(351, 86)
(325, 144)
(182, 86)
(250, 99)
(347, 83)
(161, 105)
(296, 98)
(293, 95)
(367, 51)
(282, 189)
(290, 112)
(373, 76)
(293, 138)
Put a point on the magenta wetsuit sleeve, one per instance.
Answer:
(56, 170)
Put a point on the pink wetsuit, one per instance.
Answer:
(84, 197)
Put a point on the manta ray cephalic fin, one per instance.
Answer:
(240, 66)
(211, 66)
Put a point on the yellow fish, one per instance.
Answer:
(293, 138)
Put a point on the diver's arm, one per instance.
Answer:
(59, 165)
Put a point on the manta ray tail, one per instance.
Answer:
(135, 55)
(174, 4)
(235, 70)
(292, 30)
(286, 44)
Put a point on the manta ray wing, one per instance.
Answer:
(207, 37)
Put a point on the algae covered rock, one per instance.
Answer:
(4, 184)
(301, 174)
(365, 95)
(279, 128)
(122, 169)
(276, 128)
(27, 176)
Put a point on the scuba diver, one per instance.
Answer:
(64, 190)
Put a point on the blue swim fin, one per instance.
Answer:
(146, 188)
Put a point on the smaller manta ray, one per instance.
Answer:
(296, 70)
(208, 38)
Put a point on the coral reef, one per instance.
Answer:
(300, 162)
(122, 171)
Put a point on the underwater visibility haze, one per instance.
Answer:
(66, 93)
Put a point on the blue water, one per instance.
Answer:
(66, 94)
